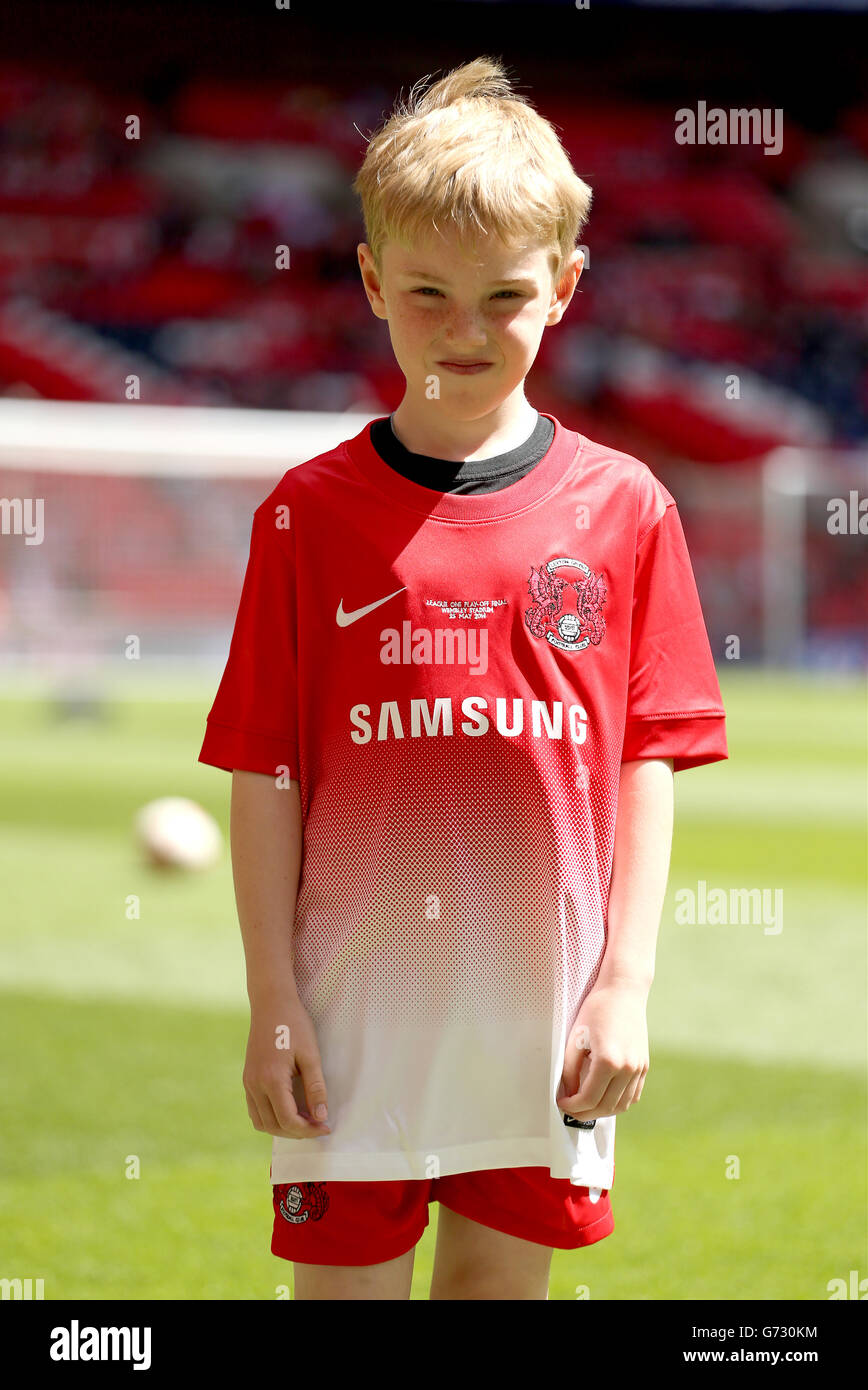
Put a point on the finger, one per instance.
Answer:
(631, 1095)
(591, 1090)
(615, 1099)
(314, 1085)
(296, 1128)
(611, 1101)
(266, 1110)
(572, 1074)
(291, 1115)
(253, 1111)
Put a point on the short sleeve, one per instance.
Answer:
(253, 722)
(674, 705)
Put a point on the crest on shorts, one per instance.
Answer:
(302, 1201)
(567, 609)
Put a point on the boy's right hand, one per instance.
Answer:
(270, 1066)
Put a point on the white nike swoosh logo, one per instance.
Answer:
(344, 619)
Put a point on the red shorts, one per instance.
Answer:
(366, 1223)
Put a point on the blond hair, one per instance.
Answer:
(472, 152)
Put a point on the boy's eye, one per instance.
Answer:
(426, 289)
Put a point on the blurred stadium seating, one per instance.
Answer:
(156, 258)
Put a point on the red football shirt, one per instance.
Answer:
(454, 680)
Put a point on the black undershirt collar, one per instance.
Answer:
(475, 475)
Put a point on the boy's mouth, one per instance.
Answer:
(465, 367)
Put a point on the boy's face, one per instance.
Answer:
(447, 309)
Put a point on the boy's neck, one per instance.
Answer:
(425, 429)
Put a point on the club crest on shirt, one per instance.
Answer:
(567, 610)
(302, 1201)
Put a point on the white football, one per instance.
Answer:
(176, 832)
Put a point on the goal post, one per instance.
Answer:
(165, 440)
(814, 526)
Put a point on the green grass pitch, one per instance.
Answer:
(126, 1037)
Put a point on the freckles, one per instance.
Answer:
(419, 321)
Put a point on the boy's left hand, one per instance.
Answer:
(606, 1059)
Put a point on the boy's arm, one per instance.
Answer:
(610, 1029)
(265, 836)
(266, 842)
(640, 870)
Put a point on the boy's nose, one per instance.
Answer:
(465, 333)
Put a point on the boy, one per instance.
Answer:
(469, 655)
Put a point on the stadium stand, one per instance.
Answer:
(154, 258)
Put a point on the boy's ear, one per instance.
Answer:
(565, 289)
(371, 279)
